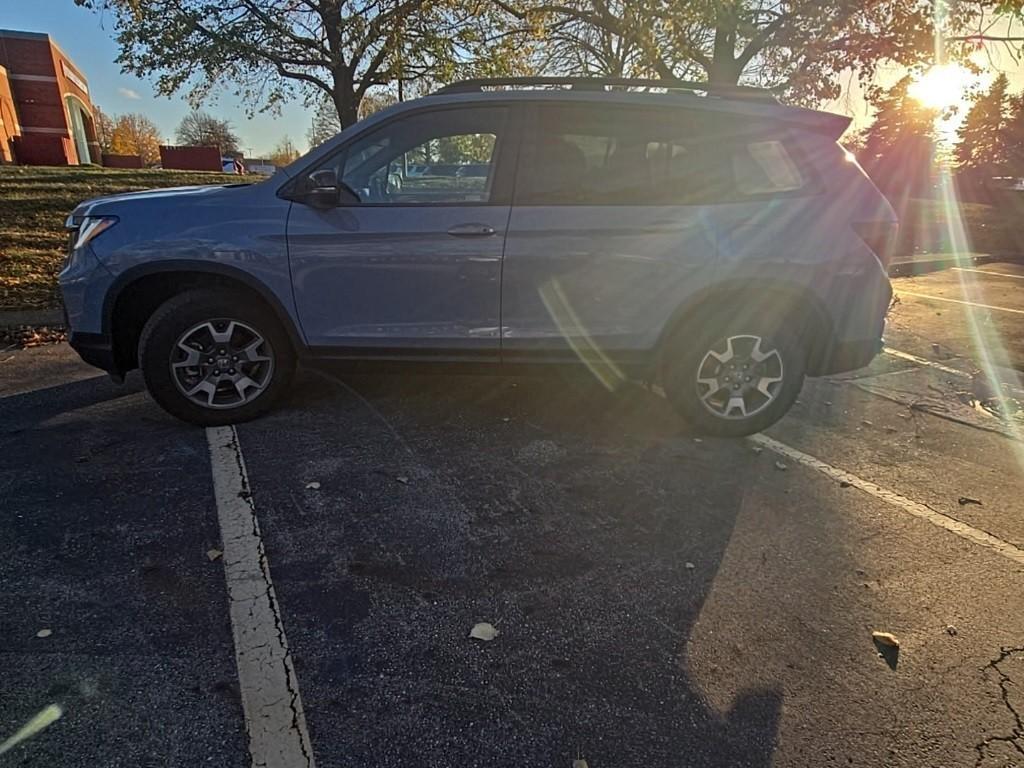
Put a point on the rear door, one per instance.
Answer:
(415, 266)
(609, 230)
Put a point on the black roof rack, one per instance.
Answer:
(601, 83)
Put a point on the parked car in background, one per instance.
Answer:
(717, 242)
(232, 165)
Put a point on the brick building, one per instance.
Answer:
(9, 128)
(51, 116)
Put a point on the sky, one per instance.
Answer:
(87, 37)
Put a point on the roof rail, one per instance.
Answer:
(601, 83)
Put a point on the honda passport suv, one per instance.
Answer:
(712, 240)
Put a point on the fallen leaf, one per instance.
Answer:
(483, 631)
(213, 554)
(964, 500)
(781, 466)
(402, 479)
(44, 633)
(313, 486)
(885, 638)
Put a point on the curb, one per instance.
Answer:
(33, 317)
(911, 267)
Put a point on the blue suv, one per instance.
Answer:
(715, 241)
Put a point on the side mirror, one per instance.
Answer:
(324, 190)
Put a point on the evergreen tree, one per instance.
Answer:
(900, 144)
(983, 134)
(1013, 136)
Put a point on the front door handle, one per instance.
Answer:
(471, 230)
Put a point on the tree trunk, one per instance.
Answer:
(344, 97)
(724, 69)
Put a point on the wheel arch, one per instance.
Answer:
(137, 293)
(790, 302)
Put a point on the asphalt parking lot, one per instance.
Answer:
(659, 600)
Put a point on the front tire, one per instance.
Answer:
(215, 358)
(735, 380)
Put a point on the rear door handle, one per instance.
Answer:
(471, 230)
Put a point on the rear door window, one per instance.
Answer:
(600, 155)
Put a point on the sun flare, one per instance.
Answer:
(942, 86)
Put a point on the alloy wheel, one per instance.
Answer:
(739, 377)
(222, 363)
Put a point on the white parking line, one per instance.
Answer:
(922, 511)
(924, 361)
(274, 719)
(988, 272)
(902, 292)
(915, 508)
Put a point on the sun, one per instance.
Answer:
(942, 86)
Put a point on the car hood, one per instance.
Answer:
(110, 203)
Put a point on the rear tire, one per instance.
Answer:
(736, 379)
(215, 358)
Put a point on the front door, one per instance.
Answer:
(413, 268)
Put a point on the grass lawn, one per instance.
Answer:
(34, 201)
(926, 226)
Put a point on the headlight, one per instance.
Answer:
(91, 228)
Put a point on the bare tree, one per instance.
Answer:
(200, 129)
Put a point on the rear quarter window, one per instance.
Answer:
(764, 168)
(601, 155)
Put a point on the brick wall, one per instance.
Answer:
(43, 149)
(9, 127)
(122, 161)
(39, 104)
(29, 55)
(190, 158)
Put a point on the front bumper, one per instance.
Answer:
(848, 356)
(96, 349)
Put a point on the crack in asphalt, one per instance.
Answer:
(1017, 732)
(289, 672)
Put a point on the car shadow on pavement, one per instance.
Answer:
(585, 525)
(106, 513)
(26, 409)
